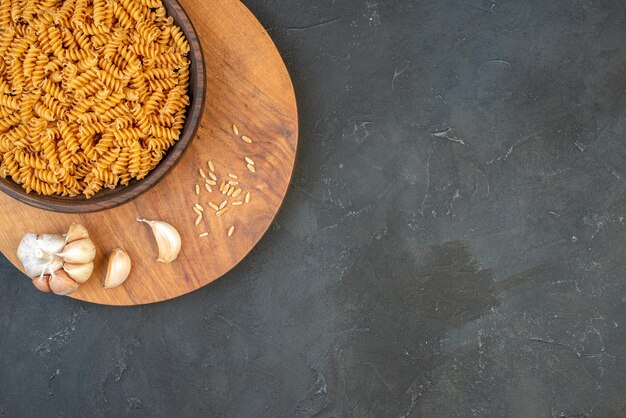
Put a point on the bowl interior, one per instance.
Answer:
(107, 198)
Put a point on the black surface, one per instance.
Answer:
(475, 273)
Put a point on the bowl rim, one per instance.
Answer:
(111, 198)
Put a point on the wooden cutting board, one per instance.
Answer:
(247, 85)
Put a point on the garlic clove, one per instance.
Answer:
(79, 252)
(167, 238)
(51, 243)
(61, 283)
(76, 232)
(118, 268)
(42, 283)
(79, 272)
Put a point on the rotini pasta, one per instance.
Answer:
(92, 92)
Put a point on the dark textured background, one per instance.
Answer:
(452, 244)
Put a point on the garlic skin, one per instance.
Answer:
(61, 283)
(50, 243)
(42, 283)
(80, 251)
(118, 268)
(79, 272)
(167, 238)
(35, 260)
(76, 232)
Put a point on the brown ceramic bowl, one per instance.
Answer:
(107, 198)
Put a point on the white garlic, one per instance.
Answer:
(80, 251)
(36, 261)
(79, 272)
(167, 238)
(58, 263)
(118, 268)
(50, 243)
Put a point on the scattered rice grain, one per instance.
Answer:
(246, 139)
(247, 199)
(211, 166)
(249, 160)
(198, 220)
(208, 188)
(251, 168)
(211, 183)
(233, 182)
(237, 203)
(213, 176)
(213, 206)
(223, 204)
(231, 230)
(197, 211)
(230, 191)
(197, 189)
(204, 234)
(236, 193)
(202, 173)
(197, 206)
(222, 211)
(235, 129)
(232, 176)
(222, 186)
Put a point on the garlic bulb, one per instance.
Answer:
(167, 238)
(36, 260)
(58, 263)
(118, 268)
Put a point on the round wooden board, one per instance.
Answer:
(247, 85)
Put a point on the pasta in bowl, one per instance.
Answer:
(98, 99)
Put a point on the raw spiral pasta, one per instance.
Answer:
(92, 92)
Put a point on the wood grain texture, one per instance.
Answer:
(248, 85)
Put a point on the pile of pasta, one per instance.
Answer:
(92, 92)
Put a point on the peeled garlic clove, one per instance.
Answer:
(167, 238)
(42, 283)
(118, 268)
(76, 232)
(61, 283)
(79, 272)
(50, 243)
(79, 252)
